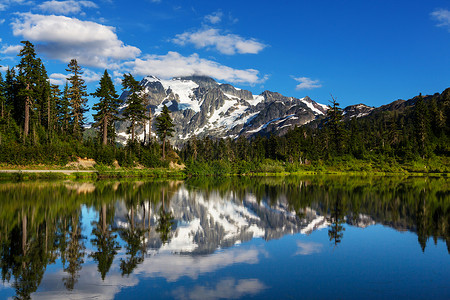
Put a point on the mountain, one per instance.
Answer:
(202, 107)
(208, 221)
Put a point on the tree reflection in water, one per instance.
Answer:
(104, 239)
(165, 222)
(42, 223)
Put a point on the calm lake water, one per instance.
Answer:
(261, 238)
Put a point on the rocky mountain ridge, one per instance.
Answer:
(202, 107)
(206, 222)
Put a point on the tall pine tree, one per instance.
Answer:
(107, 107)
(28, 78)
(135, 109)
(164, 127)
(335, 126)
(63, 111)
(77, 98)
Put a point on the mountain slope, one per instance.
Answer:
(202, 107)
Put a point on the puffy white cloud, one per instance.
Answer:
(65, 7)
(64, 38)
(442, 16)
(14, 49)
(88, 76)
(224, 43)
(91, 76)
(214, 18)
(174, 64)
(306, 83)
(58, 78)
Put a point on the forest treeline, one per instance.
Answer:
(414, 137)
(41, 124)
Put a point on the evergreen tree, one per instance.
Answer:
(77, 98)
(43, 97)
(63, 111)
(28, 79)
(107, 107)
(335, 126)
(135, 109)
(10, 91)
(164, 127)
(52, 108)
(3, 103)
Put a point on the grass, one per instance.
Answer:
(338, 166)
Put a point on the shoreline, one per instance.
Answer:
(34, 174)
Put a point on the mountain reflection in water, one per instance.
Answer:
(97, 239)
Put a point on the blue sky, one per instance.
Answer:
(371, 52)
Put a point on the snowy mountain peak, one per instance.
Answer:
(203, 107)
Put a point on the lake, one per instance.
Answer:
(318, 237)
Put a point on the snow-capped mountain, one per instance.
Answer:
(202, 107)
(209, 221)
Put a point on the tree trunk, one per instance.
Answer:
(24, 233)
(132, 131)
(105, 130)
(164, 149)
(104, 218)
(149, 124)
(26, 126)
(48, 114)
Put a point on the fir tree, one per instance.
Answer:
(10, 90)
(135, 109)
(28, 74)
(43, 97)
(3, 103)
(164, 127)
(335, 125)
(107, 107)
(63, 111)
(52, 108)
(77, 98)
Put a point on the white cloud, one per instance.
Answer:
(4, 4)
(91, 76)
(15, 49)
(224, 43)
(64, 38)
(306, 83)
(65, 7)
(215, 17)
(174, 64)
(58, 78)
(88, 76)
(442, 16)
(308, 248)
(2, 21)
(224, 289)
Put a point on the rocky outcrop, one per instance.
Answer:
(202, 107)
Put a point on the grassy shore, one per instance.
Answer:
(23, 173)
